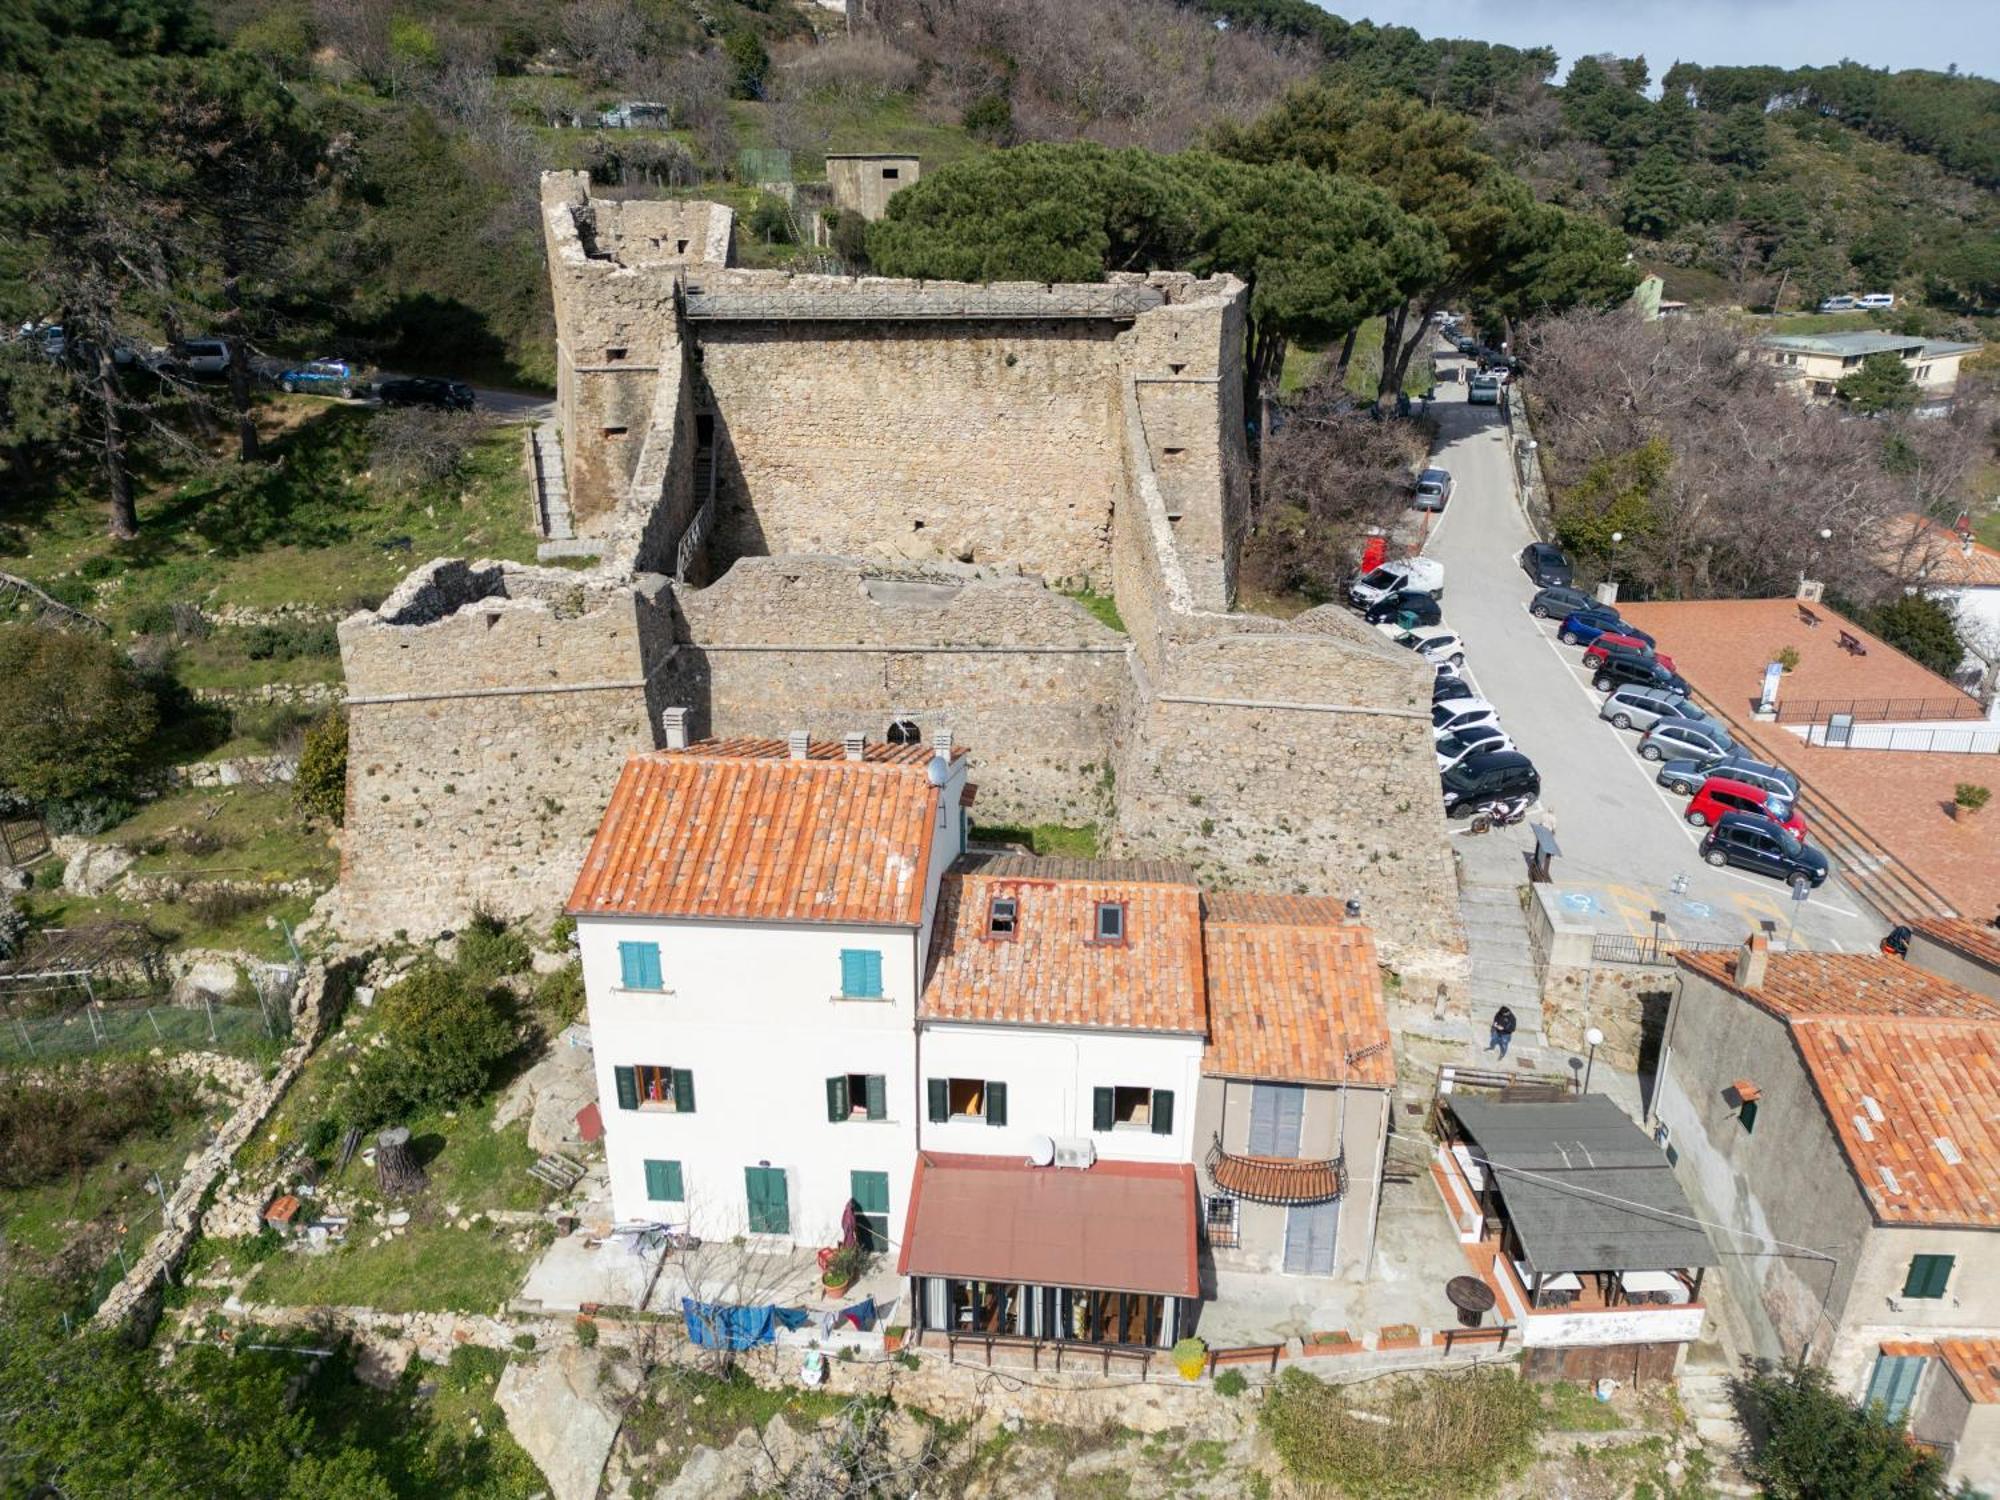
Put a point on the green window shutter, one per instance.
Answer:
(663, 1181)
(870, 1191)
(1100, 1109)
(1929, 1275)
(939, 1090)
(876, 1090)
(627, 1081)
(996, 1103)
(684, 1091)
(836, 1098)
(861, 973)
(1163, 1111)
(639, 965)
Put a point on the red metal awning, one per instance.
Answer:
(1116, 1226)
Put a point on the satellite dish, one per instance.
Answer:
(939, 771)
(1041, 1152)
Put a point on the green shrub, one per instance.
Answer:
(74, 717)
(525, 1342)
(288, 640)
(586, 1333)
(219, 905)
(770, 220)
(487, 950)
(319, 788)
(559, 997)
(1970, 796)
(87, 816)
(991, 119)
(271, 724)
(1808, 1440)
(1231, 1383)
(749, 64)
(441, 1040)
(13, 925)
(65, 1119)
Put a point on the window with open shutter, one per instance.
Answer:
(1929, 1275)
(861, 973)
(639, 965)
(1163, 1111)
(870, 1191)
(938, 1091)
(683, 1091)
(876, 1094)
(996, 1103)
(626, 1080)
(1102, 1116)
(663, 1182)
(836, 1098)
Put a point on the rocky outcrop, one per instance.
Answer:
(549, 1095)
(90, 869)
(564, 1409)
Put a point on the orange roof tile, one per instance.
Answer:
(1273, 906)
(1052, 971)
(1976, 1363)
(1293, 1002)
(1920, 550)
(1978, 941)
(737, 830)
(1800, 986)
(1935, 1085)
(1274, 1179)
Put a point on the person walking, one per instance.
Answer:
(1503, 1032)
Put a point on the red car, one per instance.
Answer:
(1719, 795)
(1611, 640)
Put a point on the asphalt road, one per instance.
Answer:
(508, 406)
(1621, 835)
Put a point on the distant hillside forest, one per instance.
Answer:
(389, 148)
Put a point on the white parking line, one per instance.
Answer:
(1554, 643)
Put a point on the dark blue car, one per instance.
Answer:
(1586, 625)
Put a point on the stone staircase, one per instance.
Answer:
(1503, 964)
(548, 477)
(1704, 1387)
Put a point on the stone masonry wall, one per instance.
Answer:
(1026, 679)
(1627, 1002)
(482, 743)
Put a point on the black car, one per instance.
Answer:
(1421, 607)
(1544, 562)
(425, 390)
(1465, 343)
(1751, 841)
(1559, 601)
(1449, 689)
(1617, 670)
(1497, 781)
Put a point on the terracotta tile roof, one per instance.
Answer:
(1117, 1226)
(1055, 867)
(1976, 1363)
(1917, 549)
(1803, 986)
(1297, 1003)
(1722, 645)
(1052, 971)
(1274, 1179)
(737, 830)
(1978, 941)
(1916, 1106)
(1273, 906)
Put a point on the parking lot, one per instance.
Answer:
(1622, 836)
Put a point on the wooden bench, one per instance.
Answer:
(1808, 619)
(1851, 644)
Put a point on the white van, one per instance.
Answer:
(1422, 574)
(1838, 304)
(1876, 301)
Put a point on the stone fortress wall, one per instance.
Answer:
(901, 470)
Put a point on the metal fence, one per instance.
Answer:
(1623, 948)
(1879, 710)
(1942, 739)
(99, 1028)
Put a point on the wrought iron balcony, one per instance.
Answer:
(1275, 1179)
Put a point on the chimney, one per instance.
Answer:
(942, 740)
(854, 744)
(799, 741)
(1750, 962)
(675, 722)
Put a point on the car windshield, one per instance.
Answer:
(1381, 578)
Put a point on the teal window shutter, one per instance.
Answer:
(996, 1103)
(1101, 1107)
(627, 1082)
(1163, 1111)
(861, 973)
(639, 965)
(663, 1182)
(870, 1191)
(683, 1091)
(836, 1098)
(1929, 1275)
(876, 1092)
(939, 1090)
(1893, 1384)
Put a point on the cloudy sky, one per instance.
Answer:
(1788, 33)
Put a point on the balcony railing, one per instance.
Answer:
(1275, 1179)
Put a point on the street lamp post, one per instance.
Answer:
(1812, 553)
(1616, 538)
(1595, 1039)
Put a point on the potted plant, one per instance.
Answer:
(843, 1269)
(1337, 1341)
(1787, 657)
(1398, 1336)
(1968, 798)
(1190, 1357)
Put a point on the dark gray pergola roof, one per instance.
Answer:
(1585, 1188)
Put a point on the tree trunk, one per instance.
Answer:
(396, 1168)
(1410, 345)
(117, 471)
(1346, 357)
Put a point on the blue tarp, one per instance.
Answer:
(717, 1325)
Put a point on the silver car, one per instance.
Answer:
(1670, 739)
(1636, 707)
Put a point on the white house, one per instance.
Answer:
(752, 919)
(1962, 574)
